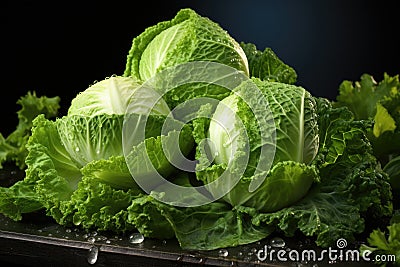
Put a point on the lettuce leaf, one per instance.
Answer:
(12, 148)
(380, 103)
(384, 243)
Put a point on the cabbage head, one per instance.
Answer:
(113, 96)
(296, 143)
(188, 37)
(86, 148)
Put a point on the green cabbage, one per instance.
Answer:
(187, 37)
(113, 96)
(88, 145)
(295, 163)
(296, 129)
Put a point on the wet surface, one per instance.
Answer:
(37, 240)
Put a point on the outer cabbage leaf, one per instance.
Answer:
(18, 199)
(112, 171)
(89, 138)
(156, 154)
(13, 147)
(51, 170)
(294, 112)
(354, 160)
(200, 129)
(267, 66)
(205, 227)
(96, 205)
(284, 185)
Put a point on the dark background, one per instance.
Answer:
(61, 47)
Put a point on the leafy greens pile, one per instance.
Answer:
(379, 105)
(325, 180)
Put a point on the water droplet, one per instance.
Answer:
(93, 255)
(68, 230)
(223, 253)
(227, 143)
(254, 250)
(247, 259)
(277, 242)
(76, 149)
(136, 238)
(108, 241)
(91, 240)
(101, 238)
